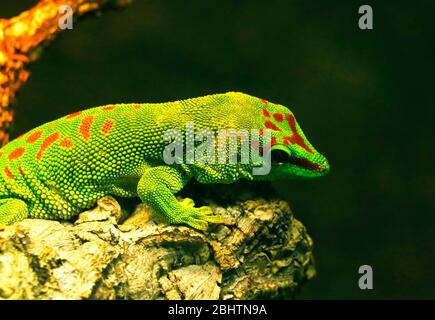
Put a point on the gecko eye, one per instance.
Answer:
(280, 156)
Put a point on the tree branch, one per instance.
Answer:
(21, 40)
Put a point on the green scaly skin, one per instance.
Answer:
(63, 167)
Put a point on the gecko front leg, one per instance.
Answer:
(157, 187)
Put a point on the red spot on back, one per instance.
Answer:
(20, 136)
(16, 153)
(278, 117)
(46, 143)
(108, 108)
(265, 112)
(295, 138)
(73, 115)
(270, 125)
(34, 136)
(66, 143)
(107, 126)
(137, 106)
(85, 127)
(21, 170)
(263, 101)
(8, 172)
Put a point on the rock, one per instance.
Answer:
(261, 252)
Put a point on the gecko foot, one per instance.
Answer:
(197, 218)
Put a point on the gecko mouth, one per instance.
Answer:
(281, 157)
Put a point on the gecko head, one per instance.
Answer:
(291, 154)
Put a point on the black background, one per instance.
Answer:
(363, 98)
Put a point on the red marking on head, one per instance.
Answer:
(66, 143)
(261, 132)
(304, 163)
(85, 127)
(34, 136)
(295, 138)
(16, 153)
(46, 143)
(73, 115)
(137, 106)
(20, 136)
(278, 117)
(107, 126)
(270, 125)
(1, 153)
(286, 140)
(273, 141)
(265, 112)
(8, 172)
(108, 108)
(21, 170)
(263, 101)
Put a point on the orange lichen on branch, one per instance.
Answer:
(20, 39)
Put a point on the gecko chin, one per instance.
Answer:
(285, 164)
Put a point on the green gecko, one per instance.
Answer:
(63, 167)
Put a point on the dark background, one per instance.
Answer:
(364, 99)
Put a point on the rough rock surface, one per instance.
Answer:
(260, 252)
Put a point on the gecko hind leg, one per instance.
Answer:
(12, 210)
